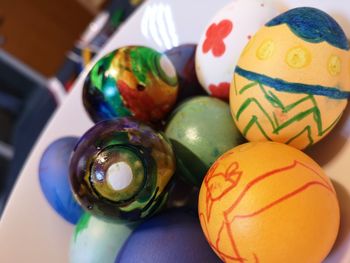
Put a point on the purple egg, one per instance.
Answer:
(171, 237)
(182, 58)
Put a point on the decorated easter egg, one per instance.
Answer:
(201, 129)
(182, 58)
(131, 81)
(224, 39)
(292, 81)
(95, 240)
(182, 195)
(122, 169)
(172, 237)
(54, 178)
(268, 202)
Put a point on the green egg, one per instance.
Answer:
(95, 240)
(201, 129)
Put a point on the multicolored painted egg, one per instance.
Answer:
(121, 169)
(131, 81)
(201, 129)
(224, 39)
(95, 240)
(171, 237)
(54, 178)
(292, 81)
(268, 202)
(182, 58)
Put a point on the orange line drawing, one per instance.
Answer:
(230, 179)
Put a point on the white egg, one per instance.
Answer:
(224, 39)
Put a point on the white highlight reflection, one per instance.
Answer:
(158, 25)
(192, 134)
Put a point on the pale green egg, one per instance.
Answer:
(96, 241)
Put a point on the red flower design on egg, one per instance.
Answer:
(215, 36)
(222, 90)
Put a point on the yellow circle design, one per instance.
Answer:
(298, 57)
(334, 65)
(265, 50)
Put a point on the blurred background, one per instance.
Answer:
(44, 45)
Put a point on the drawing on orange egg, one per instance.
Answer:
(220, 184)
(231, 177)
(279, 118)
(215, 36)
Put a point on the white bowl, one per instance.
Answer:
(31, 231)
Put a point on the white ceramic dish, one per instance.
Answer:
(30, 230)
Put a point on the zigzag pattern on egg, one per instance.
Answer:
(275, 126)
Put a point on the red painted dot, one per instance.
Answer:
(249, 37)
(221, 91)
(262, 5)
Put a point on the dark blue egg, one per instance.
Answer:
(54, 178)
(182, 58)
(171, 237)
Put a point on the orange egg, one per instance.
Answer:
(268, 202)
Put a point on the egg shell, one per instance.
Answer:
(131, 81)
(183, 195)
(95, 240)
(224, 39)
(200, 130)
(268, 202)
(171, 237)
(182, 58)
(54, 178)
(292, 80)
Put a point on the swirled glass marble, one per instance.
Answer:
(131, 81)
(121, 169)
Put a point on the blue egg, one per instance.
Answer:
(171, 237)
(54, 178)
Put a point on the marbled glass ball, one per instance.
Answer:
(121, 169)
